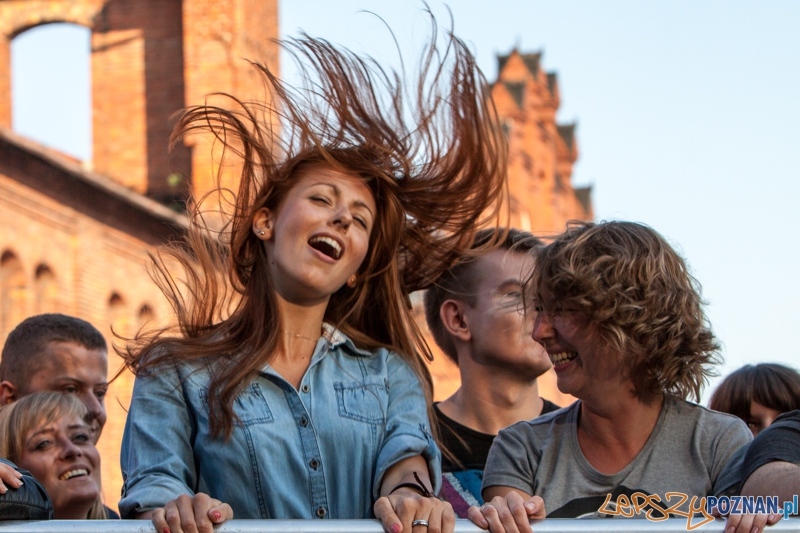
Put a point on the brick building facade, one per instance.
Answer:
(76, 241)
(76, 235)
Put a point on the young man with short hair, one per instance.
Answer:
(55, 352)
(478, 318)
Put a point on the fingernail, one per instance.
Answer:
(3, 489)
(730, 529)
(773, 517)
(166, 530)
(216, 515)
(395, 528)
(754, 530)
(530, 506)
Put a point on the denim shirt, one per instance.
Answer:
(317, 452)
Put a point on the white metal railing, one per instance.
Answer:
(553, 525)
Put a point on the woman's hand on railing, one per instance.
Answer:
(510, 513)
(402, 508)
(190, 514)
(9, 477)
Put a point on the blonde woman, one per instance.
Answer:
(46, 434)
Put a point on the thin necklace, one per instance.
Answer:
(299, 336)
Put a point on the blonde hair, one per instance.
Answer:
(36, 410)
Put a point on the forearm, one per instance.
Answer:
(778, 478)
(403, 472)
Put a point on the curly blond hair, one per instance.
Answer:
(638, 294)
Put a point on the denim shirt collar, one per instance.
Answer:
(331, 339)
(336, 338)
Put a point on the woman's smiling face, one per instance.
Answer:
(586, 366)
(63, 458)
(319, 235)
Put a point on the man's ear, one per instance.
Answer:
(8, 393)
(455, 320)
(263, 224)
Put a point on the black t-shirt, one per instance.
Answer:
(470, 447)
(779, 442)
(461, 479)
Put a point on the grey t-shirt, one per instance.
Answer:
(689, 451)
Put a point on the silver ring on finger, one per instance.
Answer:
(485, 506)
(419, 522)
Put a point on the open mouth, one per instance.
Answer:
(78, 472)
(326, 245)
(562, 358)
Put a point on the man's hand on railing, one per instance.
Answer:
(508, 513)
(748, 523)
(190, 514)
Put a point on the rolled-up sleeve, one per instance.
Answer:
(156, 456)
(407, 426)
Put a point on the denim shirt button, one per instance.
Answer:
(321, 512)
(305, 389)
(314, 464)
(304, 421)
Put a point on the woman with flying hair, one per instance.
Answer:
(46, 433)
(293, 384)
(758, 394)
(622, 320)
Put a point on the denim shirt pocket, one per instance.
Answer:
(364, 402)
(250, 406)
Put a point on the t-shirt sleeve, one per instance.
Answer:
(779, 442)
(729, 448)
(511, 461)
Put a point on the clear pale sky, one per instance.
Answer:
(687, 112)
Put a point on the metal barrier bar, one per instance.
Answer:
(553, 525)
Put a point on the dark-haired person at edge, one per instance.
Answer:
(758, 394)
(476, 314)
(50, 352)
(623, 323)
(771, 465)
(310, 397)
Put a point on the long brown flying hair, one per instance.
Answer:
(433, 155)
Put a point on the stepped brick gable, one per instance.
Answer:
(541, 155)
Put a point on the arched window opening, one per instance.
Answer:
(13, 293)
(46, 291)
(51, 95)
(119, 319)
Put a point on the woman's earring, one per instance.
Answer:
(260, 232)
(352, 281)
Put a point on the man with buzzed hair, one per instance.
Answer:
(477, 317)
(55, 352)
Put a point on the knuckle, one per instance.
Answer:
(188, 524)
